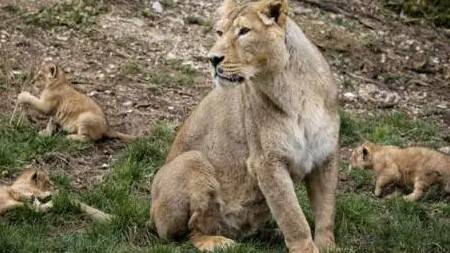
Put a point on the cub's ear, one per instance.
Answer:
(365, 153)
(34, 176)
(53, 70)
(274, 12)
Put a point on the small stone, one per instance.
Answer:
(128, 103)
(171, 108)
(445, 150)
(157, 7)
(349, 96)
(92, 93)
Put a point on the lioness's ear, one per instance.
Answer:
(274, 12)
(227, 7)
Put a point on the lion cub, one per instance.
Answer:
(30, 185)
(78, 114)
(34, 185)
(420, 167)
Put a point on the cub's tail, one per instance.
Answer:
(121, 136)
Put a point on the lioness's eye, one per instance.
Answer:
(220, 33)
(244, 31)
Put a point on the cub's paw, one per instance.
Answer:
(410, 198)
(23, 97)
(211, 243)
(45, 133)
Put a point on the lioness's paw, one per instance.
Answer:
(325, 242)
(307, 247)
(23, 97)
(211, 243)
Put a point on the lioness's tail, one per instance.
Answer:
(121, 136)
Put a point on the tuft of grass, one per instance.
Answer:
(172, 73)
(435, 11)
(195, 20)
(392, 128)
(21, 143)
(168, 3)
(76, 14)
(367, 225)
(129, 68)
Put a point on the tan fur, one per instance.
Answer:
(34, 185)
(78, 114)
(415, 166)
(271, 121)
(31, 184)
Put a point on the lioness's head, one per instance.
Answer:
(34, 181)
(47, 75)
(362, 156)
(250, 40)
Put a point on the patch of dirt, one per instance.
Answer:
(372, 49)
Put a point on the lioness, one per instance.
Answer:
(421, 167)
(32, 183)
(78, 114)
(272, 119)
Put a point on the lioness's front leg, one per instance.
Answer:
(278, 189)
(41, 105)
(321, 185)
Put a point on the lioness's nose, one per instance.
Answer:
(215, 60)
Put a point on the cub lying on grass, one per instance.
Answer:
(420, 167)
(78, 114)
(34, 185)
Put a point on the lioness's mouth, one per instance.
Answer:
(231, 78)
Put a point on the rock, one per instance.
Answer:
(349, 96)
(445, 150)
(128, 103)
(157, 7)
(383, 98)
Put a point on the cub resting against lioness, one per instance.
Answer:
(78, 114)
(34, 187)
(272, 119)
(420, 167)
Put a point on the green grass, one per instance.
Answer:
(76, 14)
(392, 128)
(364, 223)
(21, 143)
(435, 11)
(173, 73)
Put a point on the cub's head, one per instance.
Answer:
(34, 181)
(250, 41)
(362, 156)
(47, 75)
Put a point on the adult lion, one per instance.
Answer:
(272, 120)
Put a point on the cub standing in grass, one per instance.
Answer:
(78, 114)
(420, 167)
(271, 121)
